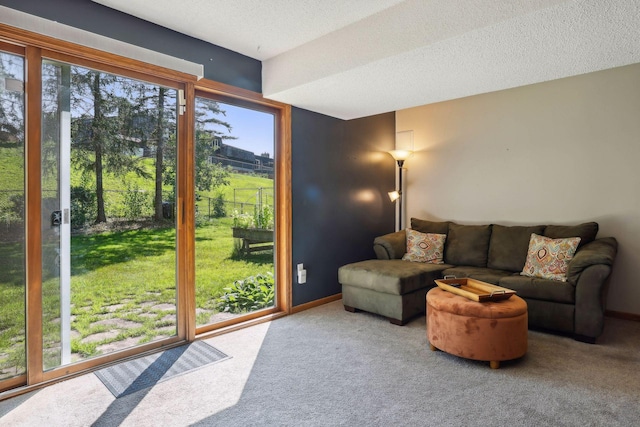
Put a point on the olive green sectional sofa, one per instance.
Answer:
(493, 253)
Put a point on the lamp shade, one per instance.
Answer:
(401, 154)
(394, 195)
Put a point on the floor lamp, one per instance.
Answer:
(400, 156)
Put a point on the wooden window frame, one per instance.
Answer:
(282, 157)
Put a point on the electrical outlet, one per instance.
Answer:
(302, 277)
(302, 274)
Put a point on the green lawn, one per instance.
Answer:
(116, 274)
(12, 306)
(117, 182)
(116, 187)
(127, 275)
(239, 181)
(245, 186)
(12, 162)
(11, 180)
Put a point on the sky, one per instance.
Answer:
(254, 129)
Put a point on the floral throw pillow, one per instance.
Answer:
(424, 247)
(549, 258)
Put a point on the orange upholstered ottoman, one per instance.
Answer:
(488, 331)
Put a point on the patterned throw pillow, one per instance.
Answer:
(424, 247)
(549, 258)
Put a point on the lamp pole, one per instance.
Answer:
(403, 150)
(400, 165)
(399, 156)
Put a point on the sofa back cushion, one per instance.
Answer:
(467, 245)
(586, 232)
(430, 227)
(508, 246)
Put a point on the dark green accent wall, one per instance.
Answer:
(340, 178)
(340, 173)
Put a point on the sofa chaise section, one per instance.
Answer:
(393, 288)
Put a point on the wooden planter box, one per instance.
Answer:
(254, 239)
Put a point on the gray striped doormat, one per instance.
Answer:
(144, 372)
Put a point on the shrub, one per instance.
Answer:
(219, 210)
(17, 205)
(242, 220)
(135, 201)
(83, 206)
(250, 294)
(263, 217)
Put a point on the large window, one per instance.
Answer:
(235, 210)
(120, 184)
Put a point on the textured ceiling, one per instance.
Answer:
(364, 57)
(260, 29)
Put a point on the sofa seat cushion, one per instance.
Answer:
(540, 289)
(488, 275)
(390, 276)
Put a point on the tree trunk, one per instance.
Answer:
(102, 216)
(159, 154)
(98, 135)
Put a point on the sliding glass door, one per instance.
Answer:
(108, 213)
(139, 208)
(12, 220)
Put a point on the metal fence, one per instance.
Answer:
(211, 207)
(261, 196)
(244, 167)
(134, 204)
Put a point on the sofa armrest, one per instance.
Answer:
(390, 246)
(590, 302)
(600, 251)
(590, 270)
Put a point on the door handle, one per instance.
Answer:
(56, 218)
(59, 217)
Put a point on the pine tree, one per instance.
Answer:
(106, 144)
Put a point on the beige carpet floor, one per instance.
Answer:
(326, 367)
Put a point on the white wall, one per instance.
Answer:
(563, 152)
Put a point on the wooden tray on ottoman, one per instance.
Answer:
(475, 289)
